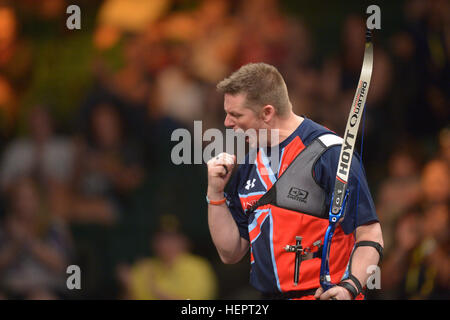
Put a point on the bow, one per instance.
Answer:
(341, 193)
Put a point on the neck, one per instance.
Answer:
(287, 125)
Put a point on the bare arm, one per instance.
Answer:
(224, 231)
(225, 234)
(363, 258)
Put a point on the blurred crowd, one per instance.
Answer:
(86, 118)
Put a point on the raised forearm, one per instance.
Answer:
(224, 230)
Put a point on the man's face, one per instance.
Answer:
(242, 118)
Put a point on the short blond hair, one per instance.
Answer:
(263, 85)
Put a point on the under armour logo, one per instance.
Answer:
(250, 184)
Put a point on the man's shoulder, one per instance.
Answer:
(310, 130)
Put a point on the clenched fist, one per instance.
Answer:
(219, 172)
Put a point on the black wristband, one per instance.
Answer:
(351, 288)
(356, 282)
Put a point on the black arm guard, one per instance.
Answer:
(372, 244)
(353, 291)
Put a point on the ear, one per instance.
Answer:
(267, 113)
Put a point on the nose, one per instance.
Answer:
(228, 122)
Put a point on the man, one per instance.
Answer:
(256, 97)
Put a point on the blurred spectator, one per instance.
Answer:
(418, 264)
(35, 247)
(173, 273)
(427, 25)
(108, 169)
(419, 267)
(259, 40)
(436, 182)
(128, 81)
(434, 252)
(395, 265)
(185, 106)
(118, 16)
(42, 154)
(215, 48)
(399, 190)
